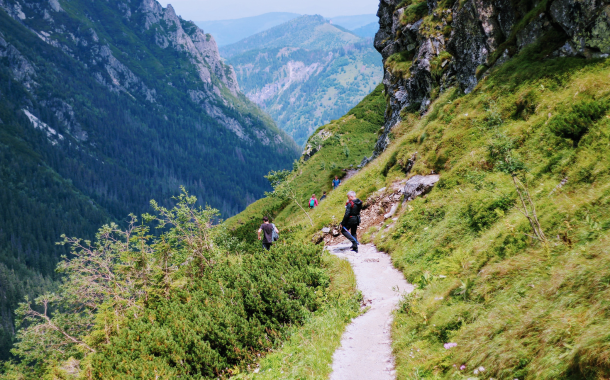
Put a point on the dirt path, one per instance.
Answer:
(366, 351)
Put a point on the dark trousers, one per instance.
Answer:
(267, 245)
(352, 230)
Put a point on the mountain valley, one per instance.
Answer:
(103, 107)
(481, 160)
(305, 73)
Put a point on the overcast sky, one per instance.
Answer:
(204, 10)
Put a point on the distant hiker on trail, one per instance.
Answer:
(323, 197)
(351, 219)
(313, 201)
(336, 182)
(270, 233)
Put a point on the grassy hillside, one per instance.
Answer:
(368, 30)
(514, 306)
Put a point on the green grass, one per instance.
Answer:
(399, 64)
(516, 307)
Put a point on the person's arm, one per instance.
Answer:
(259, 233)
(316, 202)
(345, 220)
(276, 230)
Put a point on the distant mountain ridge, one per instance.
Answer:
(354, 22)
(367, 31)
(307, 32)
(227, 32)
(301, 84)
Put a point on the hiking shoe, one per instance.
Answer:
(354, 249)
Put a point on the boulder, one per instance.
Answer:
(391, 212)
(419, 185)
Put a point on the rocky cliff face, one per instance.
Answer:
(143, 51)
(166, 29)
(429, 46)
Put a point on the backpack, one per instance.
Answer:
(274, 235)
(312, 202)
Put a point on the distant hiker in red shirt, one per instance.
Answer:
(313, 202)
(268, 230)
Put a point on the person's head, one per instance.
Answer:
(324, 193)
(265, 219)
(313, 195)
(351, 195)
(336, 177)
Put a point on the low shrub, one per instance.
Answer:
(575, 123)
(222, 318)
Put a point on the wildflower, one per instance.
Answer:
(462, 367)
(481, 369)
(476, 371)
(449, 345)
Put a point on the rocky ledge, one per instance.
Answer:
(429, 45)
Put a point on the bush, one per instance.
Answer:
(189, 302)
(575, 123)
(482, 213)
(225, 317)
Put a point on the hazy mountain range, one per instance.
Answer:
(227, 32)
(305, 72)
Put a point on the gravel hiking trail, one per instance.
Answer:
(366, 344)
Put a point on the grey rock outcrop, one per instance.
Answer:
(456, 42)
(23, 71)
(419, 185)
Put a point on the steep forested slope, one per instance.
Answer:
(104, 106)
(304, 85)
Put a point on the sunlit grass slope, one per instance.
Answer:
(515, 307)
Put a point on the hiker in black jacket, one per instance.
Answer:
(351, 219)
